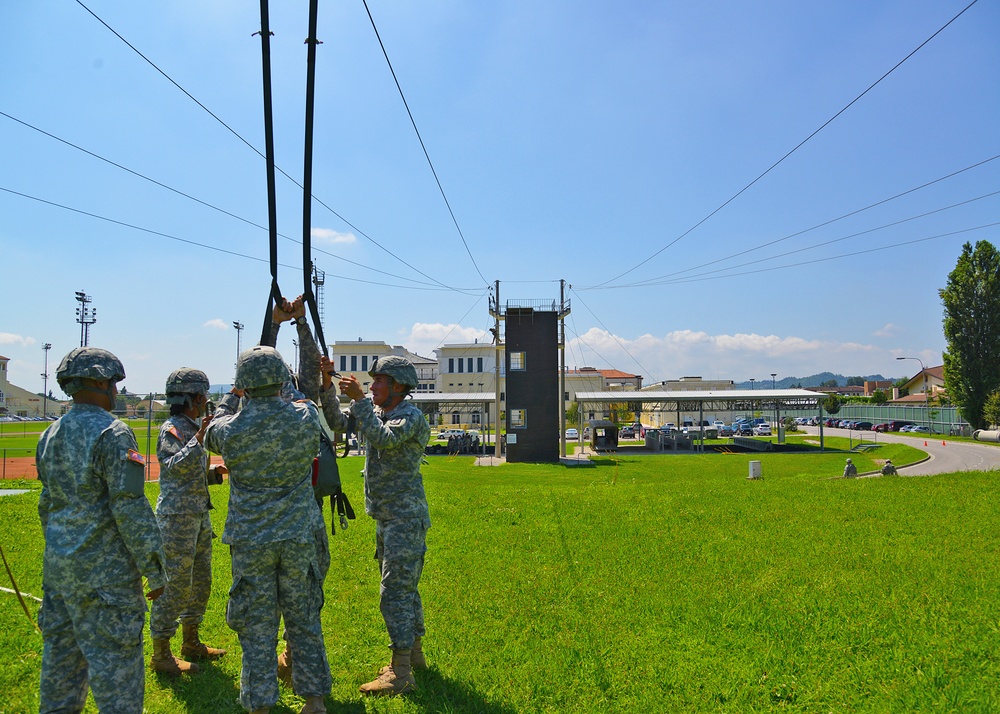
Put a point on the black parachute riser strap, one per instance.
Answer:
(307, 163)
(272, 203)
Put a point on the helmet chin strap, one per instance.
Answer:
(109, 393)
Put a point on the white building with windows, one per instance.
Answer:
(15, 401)
(357, 357)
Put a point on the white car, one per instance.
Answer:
(572, 434)
(448, 433)
(762, 430)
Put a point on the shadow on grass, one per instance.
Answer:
(437, 693)
(211, 690)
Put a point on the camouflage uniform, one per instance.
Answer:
(182, 513)
(394, 497)
(269, 448)
(101, 538)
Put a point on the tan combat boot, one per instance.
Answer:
(397, 679)
(417, 660)
(164, 662)
(193, 648)
(313, 705)
(285, 667)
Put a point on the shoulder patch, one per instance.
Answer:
(174, 433)
(135, 456)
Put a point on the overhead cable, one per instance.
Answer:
(427, 156)
(257, 151)
(792, 151)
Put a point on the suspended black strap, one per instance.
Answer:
(274, 296)
(307, 290)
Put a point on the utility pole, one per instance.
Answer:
(563, 312)
(45, 380)
(85, 316)
(239, 329)
(496, 313)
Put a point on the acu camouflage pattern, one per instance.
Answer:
(394, 497)
(270, 581)
(272, 526)
(260, 366)
(394, 487)
(269, 448)
(87, 363)
(185, 527)
(101, 538)
(186, 381)
(399, 368)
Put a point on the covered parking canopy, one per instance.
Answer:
(722, 400)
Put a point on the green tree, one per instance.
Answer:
(971, 301)
(855, 381)
(829, 384)
(832, 404)
(878, 397)
(991, 411)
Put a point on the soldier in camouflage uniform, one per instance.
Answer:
(185, 527)
(397, 434)
(309, 385)
(101, 539)
(269, 448)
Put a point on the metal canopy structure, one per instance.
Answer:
(457, 398)
(714, 400)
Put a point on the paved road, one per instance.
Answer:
(945, 456)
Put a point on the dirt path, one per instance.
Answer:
(24, 467)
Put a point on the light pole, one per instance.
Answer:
(85, 316)
(752, 380)
(45, 381)
(773, 375)
(923, 370)
(239, 329)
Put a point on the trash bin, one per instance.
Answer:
(754, 470)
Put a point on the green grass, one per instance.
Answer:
(646, 584)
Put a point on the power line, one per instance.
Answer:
(793, 150)
(257, 151)
(210, 205)
(654, 281)
(421, 140)
(665, 280)
(198, 244)
(610, 333)
(852, 254)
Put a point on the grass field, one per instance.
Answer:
(646, 584)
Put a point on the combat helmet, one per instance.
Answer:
(399, 368)
(260, 367)
(184, 382)
(88, 363)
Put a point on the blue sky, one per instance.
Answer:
(604, 144)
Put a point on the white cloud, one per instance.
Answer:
(688, 353)
(888, 330)
(424, 337)
(7, 338)
(217, 324)
(327, 235)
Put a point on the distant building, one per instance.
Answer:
(20, 402)
(357, 357)
(884, 384)
(931, 378)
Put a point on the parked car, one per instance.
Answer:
(916, 429)
(863, 425)
(724, 431)
(448, 433)
(898, 425)
(572, 434)
(743, 429)
(626, 432)
(881, 427)
(762, 430)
